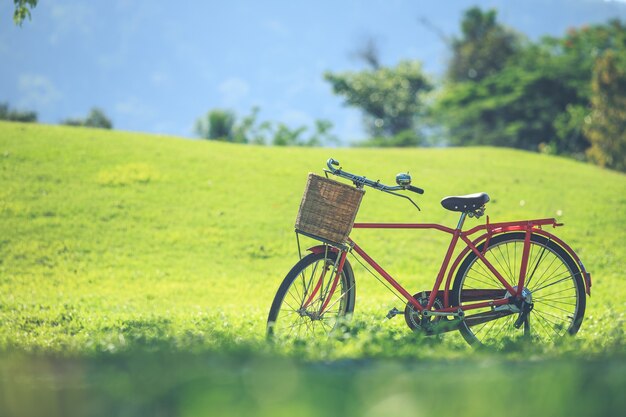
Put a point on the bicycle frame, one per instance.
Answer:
(529, 227)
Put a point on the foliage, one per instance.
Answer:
(217, 125)
(22, 10)
(576, 53)
(483, 49)
(573, 59)
(569, 138)
(249, 130)
(607, 127)
(96, 118)
(222, 125)
(539, 99)
(6, 113)
(284, 136)
(391, 98)
(512, 100)
(516, 108)
(406, 138)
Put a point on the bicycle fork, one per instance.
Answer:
(337, 268)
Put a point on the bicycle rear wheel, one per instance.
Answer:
(296, 311)
(553, 281)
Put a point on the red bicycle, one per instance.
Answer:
(510, 281)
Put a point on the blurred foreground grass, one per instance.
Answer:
(378, 369)
(178, 384)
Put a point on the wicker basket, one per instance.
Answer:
(328, 209)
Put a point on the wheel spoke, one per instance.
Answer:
(288, 319)
(551, 304)
(549, 329)
(554, 283)
(506, 261)
(532, 274)
(560, 291)
(504, 323)
(488, 284)
(485, 272)
(547, 272)
(306, 286)
(555, 290)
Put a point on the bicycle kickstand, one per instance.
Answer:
(523, 315)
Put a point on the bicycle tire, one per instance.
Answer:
(287, 317)
(553, 279)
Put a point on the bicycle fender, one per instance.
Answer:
(476, 242)
(322, 248)
(586, 275)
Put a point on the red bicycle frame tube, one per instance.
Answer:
(528, 226)
(524, 266)
(456, 234)
(496, 228)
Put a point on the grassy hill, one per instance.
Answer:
(101, 229)
(112, 242)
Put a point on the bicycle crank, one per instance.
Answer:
(428, 324)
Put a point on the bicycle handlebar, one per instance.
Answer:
(415, 189)
(360, 181)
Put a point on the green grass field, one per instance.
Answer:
(138, 265)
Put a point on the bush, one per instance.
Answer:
(96, 118)
(7, 113)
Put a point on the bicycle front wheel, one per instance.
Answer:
(553, 285)
(302, 308)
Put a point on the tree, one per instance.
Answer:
(540, 99)
(576, 53)
(223, 125)
(248, 130)
(96, 118)
(217, 125)
(483, 49)
(284, 136)
(516, 108)
(22, 10)
(391, 98)
(574, 58)
(404, 139)
(570, 137)
(607, 125)
(6, 113)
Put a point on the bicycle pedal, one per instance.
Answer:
(394, 312)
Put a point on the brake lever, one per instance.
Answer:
(404, 196)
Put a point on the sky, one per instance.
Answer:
(157, 66)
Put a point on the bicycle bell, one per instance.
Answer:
(403, 179)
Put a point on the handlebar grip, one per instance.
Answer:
(330, 164)
(415, 189)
